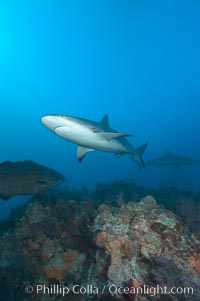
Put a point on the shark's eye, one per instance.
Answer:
(41, 182)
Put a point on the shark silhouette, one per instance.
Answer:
(171, 159)
(91, 135)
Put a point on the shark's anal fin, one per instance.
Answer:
(108, 136)
(82, 151)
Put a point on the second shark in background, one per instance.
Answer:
(171, 159)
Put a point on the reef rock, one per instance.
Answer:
(142, 239)
(71, 243)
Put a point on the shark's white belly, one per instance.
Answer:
(86, 137)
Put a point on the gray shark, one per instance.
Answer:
(91, 135)
(171, 159)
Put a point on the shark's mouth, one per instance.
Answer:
(61, 126)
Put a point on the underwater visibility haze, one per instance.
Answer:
(137, 61)
(128, 72)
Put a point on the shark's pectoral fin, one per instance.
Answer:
(82, 151)
(108, 136)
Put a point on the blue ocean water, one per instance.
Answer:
(137, 61)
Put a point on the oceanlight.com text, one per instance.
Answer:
(89, 289)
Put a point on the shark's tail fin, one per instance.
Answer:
(137, 155)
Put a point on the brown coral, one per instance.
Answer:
(70, 255)
(138, 233)
(101, 238)
(194, 263)
(48, 250)
(54, 273)
(64, 234)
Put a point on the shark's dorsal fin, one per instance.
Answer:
(104, 120)
(82, 151)
(108, 136)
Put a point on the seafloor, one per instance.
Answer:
(102, 245)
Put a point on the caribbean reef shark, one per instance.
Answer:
(171, 159)
(91, 135)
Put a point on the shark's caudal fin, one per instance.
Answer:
(137, 155)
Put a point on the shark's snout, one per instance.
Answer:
(44, 120)
(51, 122)
(47, 121)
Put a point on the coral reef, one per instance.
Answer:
(46, 245)
(139, 237)
(124, 243)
